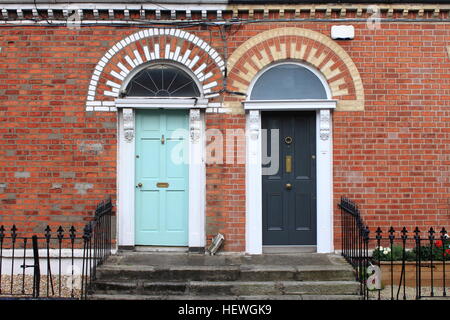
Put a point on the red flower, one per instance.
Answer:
(438, 243)
(447, 251)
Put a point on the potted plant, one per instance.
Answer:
(433, 264)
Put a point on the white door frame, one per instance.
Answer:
(324, 148)
(126, 166)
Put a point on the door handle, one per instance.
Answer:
(163, 140)
(139, 185)
(162, 185)
(288, 186)
(288, 162)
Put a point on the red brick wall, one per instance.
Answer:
(57, 160)
(225, 183)
(393, 159)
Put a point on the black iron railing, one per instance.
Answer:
(96, 245)
(63, 261)
(395, 264)
(355, 240)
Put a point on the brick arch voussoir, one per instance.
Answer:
(302, 45)
(148, 46)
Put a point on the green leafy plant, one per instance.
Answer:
(439, 250)
(394, 253)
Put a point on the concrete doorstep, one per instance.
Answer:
(179, 276)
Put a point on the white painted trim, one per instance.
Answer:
(154, 103)
(66, 261)
(324, 186)
(126, 180)
(137, 36)
(219, 6)
(276, 105)
(316, 72)
(324, 183)
(197, 179)
(126, 187)
(53, 253)
(170, 62)
(253, 184)
(114, 6)
(324, 174)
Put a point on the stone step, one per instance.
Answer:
(218, 297)
(136, 275)
(226, 273)
(187, 259)
(227, 288)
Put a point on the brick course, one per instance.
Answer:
(57, 160)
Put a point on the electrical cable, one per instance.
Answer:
(234, 21)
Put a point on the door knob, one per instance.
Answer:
(288, 186)
(139, 185)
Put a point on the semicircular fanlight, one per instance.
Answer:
(288, 81)
(162, 80)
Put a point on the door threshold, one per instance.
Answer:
(289, 249)
(160, 249)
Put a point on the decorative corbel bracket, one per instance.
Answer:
(128, 124)
(254, 120)
(194, 124)
(325, 125)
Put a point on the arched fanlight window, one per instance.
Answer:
(162, 80)
(288, 81)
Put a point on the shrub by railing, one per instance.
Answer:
(395, 264)
(63, 262)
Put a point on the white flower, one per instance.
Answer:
(385, 252)
(380, 248)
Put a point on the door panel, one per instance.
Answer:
(302, 204)
(161, 179)
(150, 124)
(175, 209)
(175, 156)
(274, 203)
(152, 160)
(151, 221)
(289, 196)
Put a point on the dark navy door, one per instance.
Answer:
(289, 196)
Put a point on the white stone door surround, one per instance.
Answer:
(324, 148)
(126, 166)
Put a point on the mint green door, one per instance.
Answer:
(161, 178)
